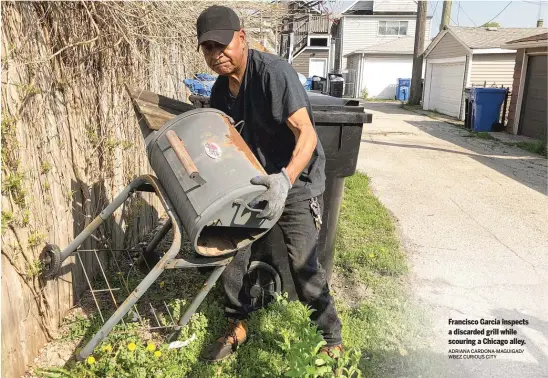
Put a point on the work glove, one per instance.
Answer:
(278, 185)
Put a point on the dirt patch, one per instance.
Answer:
(349, 290)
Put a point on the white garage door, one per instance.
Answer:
(445, 92)
(380, 75)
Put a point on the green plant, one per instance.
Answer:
(536, 147)
(492, 24)
(35, 238)
(126, 144)
(46, 167)
(365, 94)
(8, 125)
(26, 218)
(13, 184)
(7, 219)
(34, 269)
(481, 135)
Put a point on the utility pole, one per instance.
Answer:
(415, 94)
(446, 13)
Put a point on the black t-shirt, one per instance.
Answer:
(270, 92)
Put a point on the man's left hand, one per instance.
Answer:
(278, 185)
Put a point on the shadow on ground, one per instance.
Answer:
(512, 162)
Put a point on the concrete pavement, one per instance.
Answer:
(473, 219)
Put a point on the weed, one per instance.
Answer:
(537, 147)
(481, 135)
(365, 93)
(26, 218)
(46, 167)
(34, 269)
(13, 184)
(7, 219)
(47, 185)
(35, 238)
(30, 90)
(8, 125)
(126, 144)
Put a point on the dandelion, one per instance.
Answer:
(157, 353)
(91, 360)
(151, 347)
(371, 255)
(131, 346)
(162, 284)
(107, 348)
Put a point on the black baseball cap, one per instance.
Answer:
(217, 23)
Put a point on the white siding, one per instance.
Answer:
(495, 69)
(359, 32)
(302, 62)
(395, 6)
(447, 47)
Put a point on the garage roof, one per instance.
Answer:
(402, 45)
(488, 38)
(484, 37)
(539, 40)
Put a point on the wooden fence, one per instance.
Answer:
(70, 143)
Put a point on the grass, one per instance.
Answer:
(537, 147)
(382, 330)
(386, 326)
(481, 135)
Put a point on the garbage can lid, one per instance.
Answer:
(336, 110)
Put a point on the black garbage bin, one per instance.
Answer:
(339, 123)
(319, 84)
(336, 85)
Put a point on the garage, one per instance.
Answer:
(375, 70)
(446, 84)
(380, 75)
(533, 112)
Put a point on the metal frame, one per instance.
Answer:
(145, 183)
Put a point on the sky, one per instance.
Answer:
(518, 14)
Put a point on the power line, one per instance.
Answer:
(466, 14)
(458, 13)
(435, 9)
(499, 13)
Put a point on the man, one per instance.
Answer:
(265, 93)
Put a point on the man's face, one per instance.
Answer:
(225, 59)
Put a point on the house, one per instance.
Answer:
(461, 57)
(305, 39)
(527, 113)
(374, 43)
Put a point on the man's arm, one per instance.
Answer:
(305, 142)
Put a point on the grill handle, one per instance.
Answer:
(185, 159)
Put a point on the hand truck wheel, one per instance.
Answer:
(264, 283)
(50, 258)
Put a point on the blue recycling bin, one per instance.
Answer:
(402, 90)
(486, 104)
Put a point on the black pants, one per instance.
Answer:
(301, 237)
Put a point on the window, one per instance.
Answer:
(393, 27)
(314, 41)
